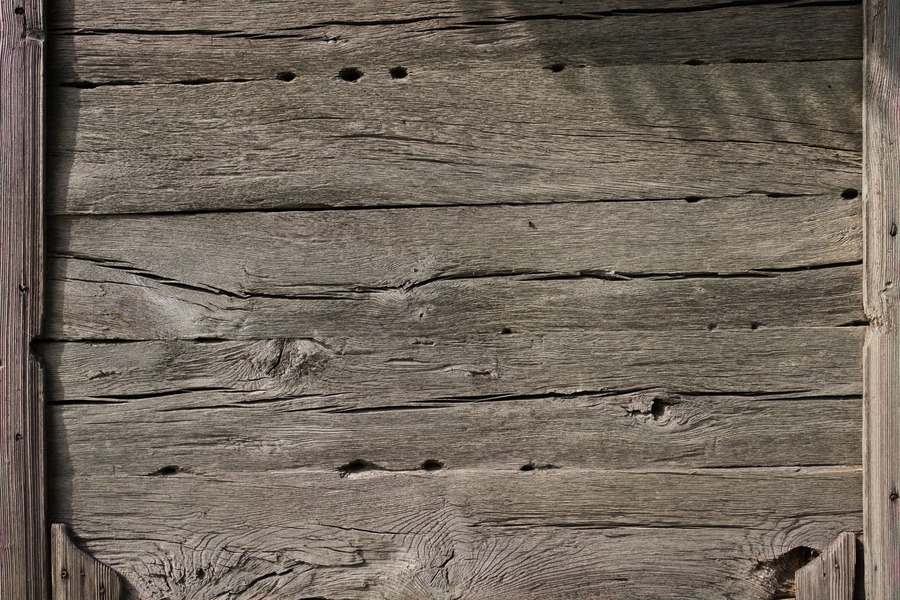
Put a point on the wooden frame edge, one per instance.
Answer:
(24, 565)
(881, 205)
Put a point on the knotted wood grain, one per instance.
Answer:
(23, 554)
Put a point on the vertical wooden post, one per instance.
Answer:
(881, 201)
(24, 568)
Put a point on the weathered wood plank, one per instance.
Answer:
(77, 576)
(882, 368)
(654, 429)
(94, 301)
(367, 372)
(23, 532)
(233, 40)
(831, 576)
(321, 253)
(540, 534)
(469, 137)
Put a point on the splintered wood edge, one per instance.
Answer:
(832, 575)
(881, 208)
(23, 529)
(78, 576)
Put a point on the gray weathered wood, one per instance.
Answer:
(23, 553)
(154, 41)
(652, 429)
(95, 301)
(321, 253)
(882, 282)
(460, 137)
(564, 533)
(352, 372)
(832, 575)
(77, 576)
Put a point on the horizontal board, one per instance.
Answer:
(94, 301)
(154, 42)
(385, 371)
(213, 432)
(540, 534)
(459, 137)
(321, 253)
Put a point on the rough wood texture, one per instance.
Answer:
(502, 326)
(832, 575)
(481, 136)
(77, 576)
(157, 42)
(882, 282)
(96, 301)
(322, 253)
(23, 533)
(552, 534)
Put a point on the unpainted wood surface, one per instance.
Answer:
(320, 253)
(23, 553)
(491, 330)
(566, 533)
(104, 43)
(77, 576)
(832, 575)
(481, 136)
(882, 376)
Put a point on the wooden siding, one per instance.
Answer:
(572, 309)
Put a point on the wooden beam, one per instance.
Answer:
(77, 576)
(881, 192)
(832, 575)
(23, 539)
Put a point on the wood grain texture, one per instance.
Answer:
(553, 316)
(77, 576)
(94, 301)
(448, 137)
(368, 372)
(323, 253)
(23, 555)
(832, 575)
(155, 42)
(882, 369)
(224, 432)
(473, 534)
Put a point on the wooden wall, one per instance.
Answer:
(455, 299)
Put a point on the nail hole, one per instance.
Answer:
(358, 466)
(166, 471)
(712, 327)
(893, 496)
(398, 73)
(350, 74)
(432, 465)
(893, 230)
(556, 67)
(18, 437)
(693, 199)
(533, 467)
(506, 331)
(20, 10)
(695, 62)
(754, 326)
(200, 573)
(531, 225)
(849, 193)
(286, 76)
(64, 574)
